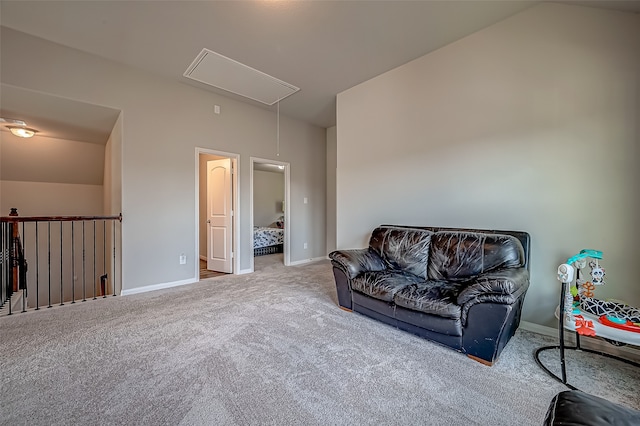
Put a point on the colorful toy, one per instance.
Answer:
(580, 298)
(579, 311)
(566, 274)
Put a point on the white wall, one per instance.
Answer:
(332, 153)
(531, 124)
(112, 199)
(46, 159)
(268, 195)
(158, 171)
(43, 176)
(113, 170)
(50, 199)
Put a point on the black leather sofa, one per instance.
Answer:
(463, 288)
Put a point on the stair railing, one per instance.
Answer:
(70, 258)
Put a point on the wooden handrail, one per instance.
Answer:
(57, 218)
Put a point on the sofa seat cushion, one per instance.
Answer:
(383, 285)
(431, 297)
(444, 330)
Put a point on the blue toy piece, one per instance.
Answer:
(616, 320)
(584, 253)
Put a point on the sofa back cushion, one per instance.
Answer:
(462, 255)
(403, 249)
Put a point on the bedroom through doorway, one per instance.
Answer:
(269, 207)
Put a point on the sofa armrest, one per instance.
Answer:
(354, 262)
(495, 285)
(491, 310)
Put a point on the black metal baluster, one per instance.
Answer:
(6, 263)
(10, 263)
(113, 280)
(2, 274)
(9, 285)
(84, 273)
(24, 253)
(104, 257)
(11, 259)
(73, 264)
(2, 263)
(37, 269)
(7, 253)
(5, 267)
(6, 287)
(6, 259)
(61, 267)
(49, 258)
(94, 260)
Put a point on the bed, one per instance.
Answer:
(267, 240)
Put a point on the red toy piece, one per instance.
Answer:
(626, 326)
(584, 326)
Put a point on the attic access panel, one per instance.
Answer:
(216, 70)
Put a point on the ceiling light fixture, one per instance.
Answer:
(23, 132)
(12, 121)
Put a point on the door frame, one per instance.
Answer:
(235, 197)
(287, 206)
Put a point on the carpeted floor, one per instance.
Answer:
(270, 347)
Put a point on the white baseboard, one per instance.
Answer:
(244, 271)
(304, 261)
(160, 286)
(540, 329)
(628, 352)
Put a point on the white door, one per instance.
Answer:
(219, 214)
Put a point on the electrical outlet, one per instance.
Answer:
(183, 259)
(305, 246)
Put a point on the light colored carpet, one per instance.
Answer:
(270, 347)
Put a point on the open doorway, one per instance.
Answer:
(269, 212)
(216, 198)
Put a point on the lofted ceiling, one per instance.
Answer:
(322, 47)
(56, 117)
